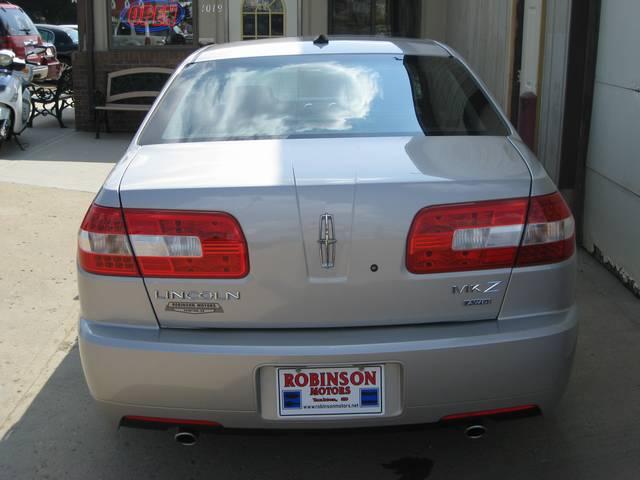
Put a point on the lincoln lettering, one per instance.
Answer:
(197, 295)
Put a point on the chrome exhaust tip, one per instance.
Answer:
(475, 432)
(186, 438)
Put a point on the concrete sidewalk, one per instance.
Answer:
(39, 307)
(61, 157)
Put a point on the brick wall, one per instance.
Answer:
(105, 62)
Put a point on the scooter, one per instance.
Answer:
(15, 99)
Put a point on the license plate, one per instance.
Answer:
(331, 391)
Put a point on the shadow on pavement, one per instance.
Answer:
(594, 433)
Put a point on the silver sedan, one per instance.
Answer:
(326, 234)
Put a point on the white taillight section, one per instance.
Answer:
(166, 246)
(539, 233)
(550, 233)
(489, 237)
(103, 247)
(103, 243)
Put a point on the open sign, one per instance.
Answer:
(158, 15)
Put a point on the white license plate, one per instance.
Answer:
(331, 391)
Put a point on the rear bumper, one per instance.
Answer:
(40, 72)
(228, 376)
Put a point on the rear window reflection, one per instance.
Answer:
(322, 96)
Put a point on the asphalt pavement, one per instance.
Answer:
(49, 426)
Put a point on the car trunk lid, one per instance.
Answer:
(293, 198)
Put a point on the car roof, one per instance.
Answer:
(51, 27)
(9, 5)
(336, 45)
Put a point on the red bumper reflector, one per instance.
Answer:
(172, 421)
(490, 413)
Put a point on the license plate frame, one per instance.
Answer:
(321, 391)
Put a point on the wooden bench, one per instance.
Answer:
(129, 90)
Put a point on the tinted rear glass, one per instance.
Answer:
(16, 22)
(315, 96)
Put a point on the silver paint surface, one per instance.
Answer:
(442, 357)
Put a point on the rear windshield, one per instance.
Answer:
(319, 96)
(15, 22)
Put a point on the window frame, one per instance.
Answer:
(154, 48)
(255, 13)
(49, 32)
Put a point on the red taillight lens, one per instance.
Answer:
(468, 236)
(550, 233)
(486, 235)
(172, 244)
(180, 244)
(103, 247)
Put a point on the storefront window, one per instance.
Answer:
(399, 18)
(151, 23)
(361, 17)
(263, 19)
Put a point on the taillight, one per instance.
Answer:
(467, 236)
(166, 243)
(550, 233)
(103, 247)
(486, 235)
(183, 244)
